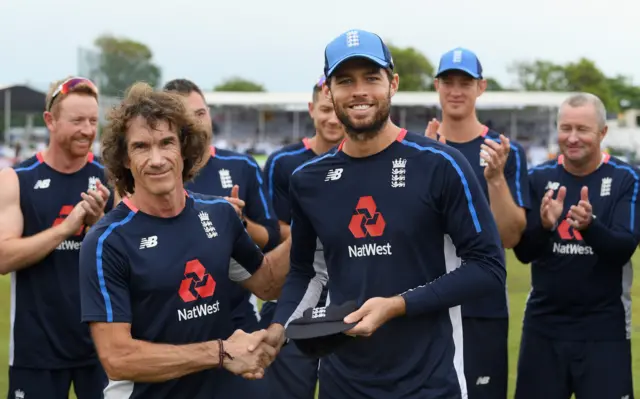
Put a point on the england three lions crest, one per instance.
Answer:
(398, 178)
(209, 230)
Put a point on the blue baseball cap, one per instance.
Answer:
(460, 59)
(356, 43)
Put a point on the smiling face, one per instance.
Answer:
(154, 157)
(73, 124)
(361, 94)
(458, 93)
(325, 121)
(580, 133)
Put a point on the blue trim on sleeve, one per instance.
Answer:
(273, 165)
(97, 164)
(543, 167)
(258, 175)
(314, 160)
(465, 184)
(30, 167)
(101, 280)
(634, 197)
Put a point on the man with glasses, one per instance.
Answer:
(47, 204)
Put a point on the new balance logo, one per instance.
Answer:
(483, 380)
(552, 185)
(44, 183)
(317, 313)
(605, 187)
(149, 242)
(225, 178)
(334, 174)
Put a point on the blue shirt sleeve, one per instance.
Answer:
(516, 175)
(304, 283)
(258, 207)
(474, 238)
(104, 271)
(618, 242)
(278, 187)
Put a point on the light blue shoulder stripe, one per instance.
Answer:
(463, 178)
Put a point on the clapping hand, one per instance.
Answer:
(93, 202)
(432, 131)
(581, 215)
(234, 199)
(551, 209)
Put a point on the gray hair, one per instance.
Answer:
(581, 99)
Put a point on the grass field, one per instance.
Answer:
(518, 284)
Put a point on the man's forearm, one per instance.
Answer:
(278, 266)
(20, 253)
(151, 362)
(509, 217)
(259, 234)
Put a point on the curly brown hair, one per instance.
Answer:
(141, 100)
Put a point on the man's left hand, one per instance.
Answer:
(235, 200)
(94, 203)
(495, 154)
(581, 215)
(373, 314)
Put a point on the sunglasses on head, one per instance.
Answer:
(321, 81)
(66, 86)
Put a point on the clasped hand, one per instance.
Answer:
(252, 353)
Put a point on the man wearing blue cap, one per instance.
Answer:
(407, 234)
(501, 168)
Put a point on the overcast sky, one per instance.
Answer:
(280, 43)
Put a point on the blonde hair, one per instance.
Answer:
(54, 106)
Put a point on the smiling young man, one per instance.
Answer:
(239, 178)
(294, 375)
(155, 274)
(393, 210)
(582, 230)
(47, 203)
(501, 168)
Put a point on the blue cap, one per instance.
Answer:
(354, 44)
(460, 59)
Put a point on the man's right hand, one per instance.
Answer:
(75, 220)
(251, 355)
(551, 209)
(432, 131)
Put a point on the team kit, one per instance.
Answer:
(378, 253)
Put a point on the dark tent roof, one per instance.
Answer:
(23, 99)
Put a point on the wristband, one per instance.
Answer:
(222, 354)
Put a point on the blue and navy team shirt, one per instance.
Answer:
(170, 279)
(224, 170)
(581, 280)
(411, 220)
(46, 331)
(278, 170)
(515, 173)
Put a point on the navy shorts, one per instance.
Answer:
(88, 382)
(486, 357)
(556, 369)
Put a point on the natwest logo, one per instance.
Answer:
(568, 233)
(367, 221)
(197, 283)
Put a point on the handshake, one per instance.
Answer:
(249, 355)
